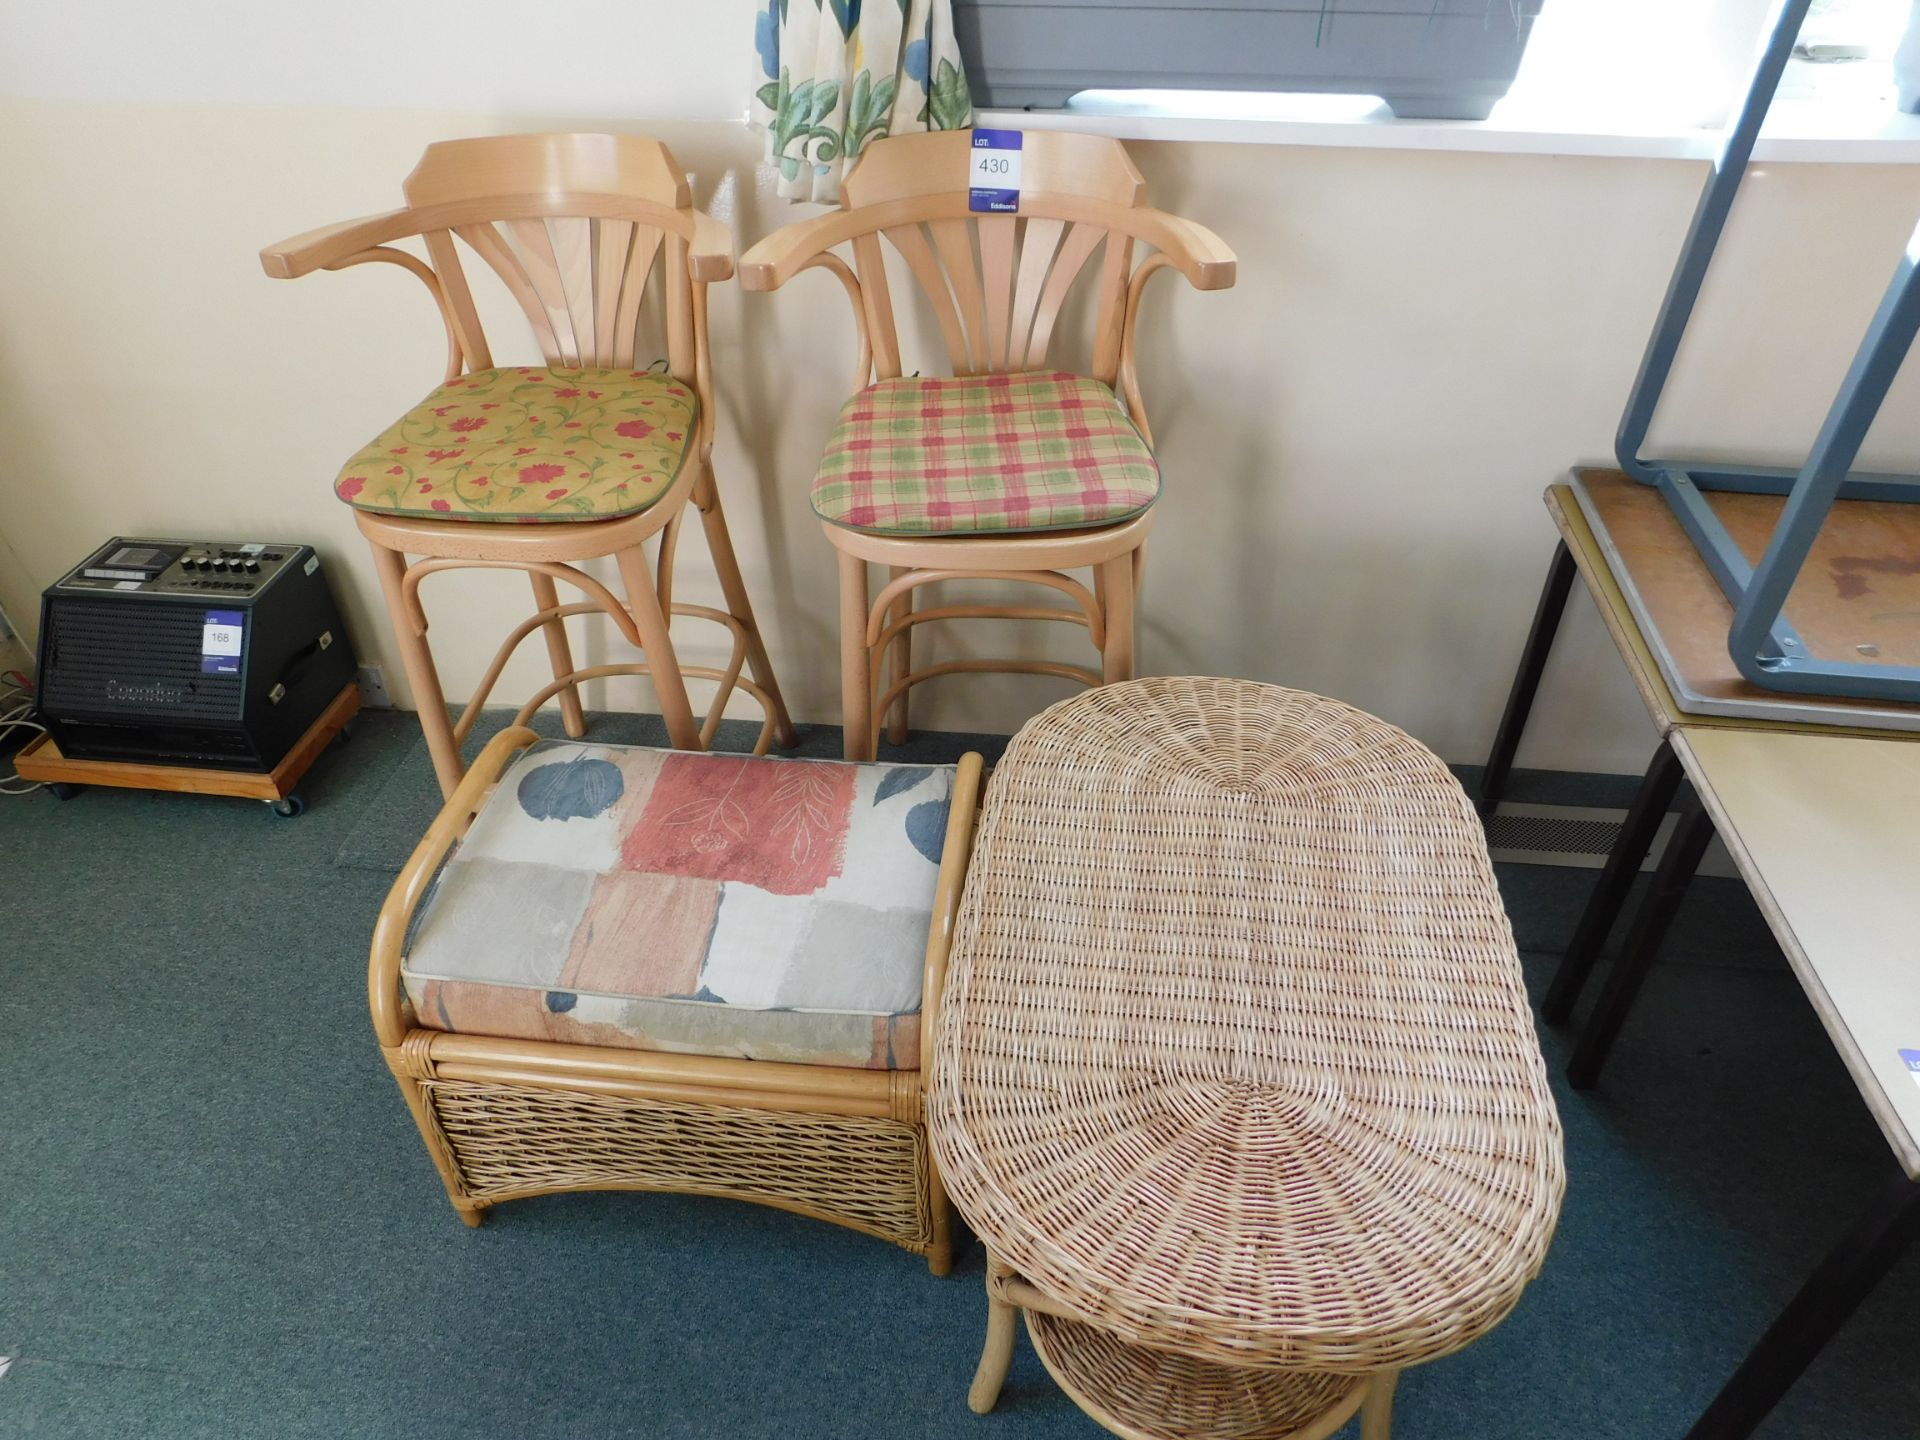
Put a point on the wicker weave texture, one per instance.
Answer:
(1234, 1058)
(1134, 1390)
(510, 1141)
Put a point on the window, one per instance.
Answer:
(1677, 64)
(1612, 67)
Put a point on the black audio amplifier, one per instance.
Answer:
(189, 652)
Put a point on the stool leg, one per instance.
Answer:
(856, 661)
(1376, 1411)
(417, 660)
(1650, 924)
(901, 661)
(734, 588)
(1116, 657)
(663, 666)
(996, 1358)
(547, 597)
(470, 1211)
(940, 1251)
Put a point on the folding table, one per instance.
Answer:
(1821, 820)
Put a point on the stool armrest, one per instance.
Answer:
(962, 811)
(775, 259)
(710, 249)
(1196, 252)
(317, 249)
(390, 1022)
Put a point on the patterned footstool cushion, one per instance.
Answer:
(768, 909)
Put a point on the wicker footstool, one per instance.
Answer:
(614, 968)
(1234, 1074)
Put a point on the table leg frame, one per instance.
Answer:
(1376, 1411)
(1526, 680)
(996, 1356)
(1609, 895)
(1008, 1295)
(1845, 1277)
(1650, 924)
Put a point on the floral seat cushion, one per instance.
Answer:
(768, 909)
(528, 445)
(1003, 453)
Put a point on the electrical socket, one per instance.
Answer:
(373, 688)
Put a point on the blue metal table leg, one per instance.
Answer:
(1754, 639)
(1764, 646)
(1703, 237)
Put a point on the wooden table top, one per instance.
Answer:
(1686, 576)
(1826, 832)
(1857, 595)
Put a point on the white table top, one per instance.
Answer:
(1826, 832)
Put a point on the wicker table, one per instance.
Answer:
(1235, 1077)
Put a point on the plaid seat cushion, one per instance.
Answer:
(984, 453)
(528, 444)
(694, 903)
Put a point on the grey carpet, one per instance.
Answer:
(217, 1220)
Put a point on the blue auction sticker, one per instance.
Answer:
(1911, 1058)
(220, 642)
(993, 179)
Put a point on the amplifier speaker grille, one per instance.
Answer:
(150, 656)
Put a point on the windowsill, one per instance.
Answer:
(1824, 114)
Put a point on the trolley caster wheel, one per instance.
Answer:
(64, 791)
(288, 808)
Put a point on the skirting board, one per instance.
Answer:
(1577, 837)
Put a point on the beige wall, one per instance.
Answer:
(1354, 440)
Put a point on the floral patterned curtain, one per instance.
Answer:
(840, 74)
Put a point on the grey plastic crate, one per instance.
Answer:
(1428, 59)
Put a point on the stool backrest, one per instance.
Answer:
(996, 282)
(573, 225)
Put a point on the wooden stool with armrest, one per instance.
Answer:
(544, 468)
(1009, 470)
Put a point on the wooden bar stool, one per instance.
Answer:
(542, 468)
(1008, 470)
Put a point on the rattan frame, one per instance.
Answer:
(1237, 1079)
(505, 1119)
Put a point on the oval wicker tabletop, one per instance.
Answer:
(1234, 1058)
